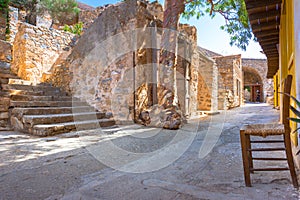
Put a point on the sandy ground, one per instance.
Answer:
(200, 161)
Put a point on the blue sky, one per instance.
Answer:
(209, 34)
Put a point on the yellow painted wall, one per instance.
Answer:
(287, 49)
(275, 85)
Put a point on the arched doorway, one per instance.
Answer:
(253, 85)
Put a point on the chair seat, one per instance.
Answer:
(263, 129)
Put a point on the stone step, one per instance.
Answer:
(4, 94)
(4, 74)
(30, 88)
(19, 82)
(5, 71)
(53, 129)
(4, 80)
(4, 65)
(36, 93)
(50, 110)
(41, 98)
(42, 104)
(31, 120)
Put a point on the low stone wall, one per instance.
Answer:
(36, 49)
(4, 113)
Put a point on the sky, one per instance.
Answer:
(209, 34)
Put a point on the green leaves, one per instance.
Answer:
(234, 13)
(4, 5)
(59, 9)
(295, 111)
(75, 29)
(295, 120)
(297, 101)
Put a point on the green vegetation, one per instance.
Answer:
(59, 9)
(4, 10)
(296, 112)
(75, 29)
(4, 5)
(235, 15)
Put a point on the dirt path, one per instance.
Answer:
(175, 164)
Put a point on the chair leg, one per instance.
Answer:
(245, 157)
(248, 146)
(289, 156)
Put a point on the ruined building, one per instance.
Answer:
(112, 73)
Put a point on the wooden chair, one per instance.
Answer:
(264, 130)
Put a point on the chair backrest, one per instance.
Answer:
(286, 101)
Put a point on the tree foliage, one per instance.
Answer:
(234, 13)
(4, 5)
(59, 9)
(4, 10)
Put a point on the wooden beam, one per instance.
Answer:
(268, 38)
(264, 15)
(265, 26)
(269, 42)
(271, 54)
(273, 59)
(270, 46)
(267, 33)
(269, 49)
(259, 3)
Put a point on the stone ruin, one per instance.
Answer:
(114, 65)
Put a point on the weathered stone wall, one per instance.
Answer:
(230, 72)
(251, 77)
(186, 82)
(99, 67)
(2, 25)
(260, 67)
(13, 24)
(156, 10)
(36, 49)
(87, 17)
(5, 51)
(207, 84)
(238, 83)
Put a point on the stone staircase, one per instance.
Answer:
(44, 110)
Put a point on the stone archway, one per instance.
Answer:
(253, 85)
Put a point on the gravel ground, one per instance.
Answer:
(200, 161)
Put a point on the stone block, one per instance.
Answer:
(5, 51)
(4, 103)
(4, 115)
(4, 123)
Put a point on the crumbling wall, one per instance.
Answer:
(207, 84)
(99, 68)
(230, 92)
(35, 50)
